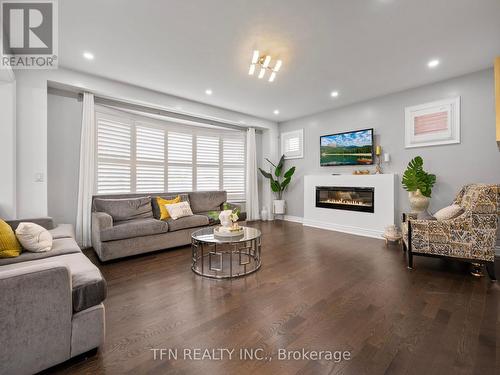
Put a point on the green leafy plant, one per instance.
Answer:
(280, 181)
(415, 178)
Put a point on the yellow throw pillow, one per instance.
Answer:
(9, 245)
(164, 215)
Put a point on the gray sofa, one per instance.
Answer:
(50, 304)
(128, 224)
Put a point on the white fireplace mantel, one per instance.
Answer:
(355, 222)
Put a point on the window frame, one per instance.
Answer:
(299, 133)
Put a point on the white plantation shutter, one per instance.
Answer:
(292, 144)
(233, 164)
(150, 159)
(136, 154)
(207, 163)
(113, 155)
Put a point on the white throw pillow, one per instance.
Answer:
(33, 237)
(449, 212)
(178, 210)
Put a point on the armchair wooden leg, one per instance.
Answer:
(490, 268)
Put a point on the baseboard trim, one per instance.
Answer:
(294, 219)
(343, 228)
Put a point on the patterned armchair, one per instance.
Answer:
(469, 237)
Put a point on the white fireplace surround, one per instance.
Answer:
(354, 222)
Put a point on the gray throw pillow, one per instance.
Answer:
(125, 208)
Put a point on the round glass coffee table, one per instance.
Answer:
(225, 257)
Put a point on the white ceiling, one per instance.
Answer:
(362, 48)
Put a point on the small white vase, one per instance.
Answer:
(225, 218)
(264, 214)
(279, 206)
(418, 202)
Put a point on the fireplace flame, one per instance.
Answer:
(349, 202)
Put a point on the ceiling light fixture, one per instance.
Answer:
(88, 55)
(208, 92)
(276, 112)
(334, 94)
(433, 63)
(264, 63)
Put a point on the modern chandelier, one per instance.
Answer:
(263, 64)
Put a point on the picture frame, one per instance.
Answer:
(433, 124)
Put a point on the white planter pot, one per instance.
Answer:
(279, 206)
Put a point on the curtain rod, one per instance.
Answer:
(117, 103)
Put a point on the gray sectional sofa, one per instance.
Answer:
(50, 304)
(128, 224)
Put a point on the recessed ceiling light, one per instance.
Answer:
(334, 94)
(88, 55)
(276, 112)
(433, 63)
(208, 91)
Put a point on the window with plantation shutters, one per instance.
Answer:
(137, 154)
(233, 165)
(292, 144)
(114, 136)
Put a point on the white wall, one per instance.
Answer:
(32, 197)
(475, 159)
(8, 149)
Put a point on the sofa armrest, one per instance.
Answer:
(46, 222)
(101, 220)
(36, 310)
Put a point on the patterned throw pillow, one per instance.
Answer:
(449, 212)
(34, 237)
(178, 210)
(162, 204)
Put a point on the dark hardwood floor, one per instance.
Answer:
(317, 290)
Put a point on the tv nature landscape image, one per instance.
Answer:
(353, 148)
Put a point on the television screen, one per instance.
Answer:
(350, 148)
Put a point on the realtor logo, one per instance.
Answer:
(29, 34)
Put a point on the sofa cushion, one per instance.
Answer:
(213, 216)
(156, 208)
(60, 246)
(88, 285)
(134, 228)
(203, 201)
(187, 222)
(63, 231)
(125, 208)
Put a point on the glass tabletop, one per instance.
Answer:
(207, 235)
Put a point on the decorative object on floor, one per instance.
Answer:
(263, 64)
(378, 153)
(497, 96)
(392, 234)
(225, 257)
(419, 184)
(264, 214)
(279, 185)
(432, 124)
(34, 237)
(348, 148)
(468, 237)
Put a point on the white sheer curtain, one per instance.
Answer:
(252, 188)
(87, 172)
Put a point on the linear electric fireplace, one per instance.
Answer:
(345, 198)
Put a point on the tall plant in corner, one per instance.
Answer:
(279, 182)
(419, 184)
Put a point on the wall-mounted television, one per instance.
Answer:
(349, 148)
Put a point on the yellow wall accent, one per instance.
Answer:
(497, 95)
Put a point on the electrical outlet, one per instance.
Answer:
(38, 177)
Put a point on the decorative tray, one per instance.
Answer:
(223, 232)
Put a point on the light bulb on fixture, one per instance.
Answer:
(262, 72)
(272, 76)
(255, 57)
(277, 66)
(251, 71)
(263, 64)
(267, 60)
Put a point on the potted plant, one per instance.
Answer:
(419, 184)
(279, 182)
